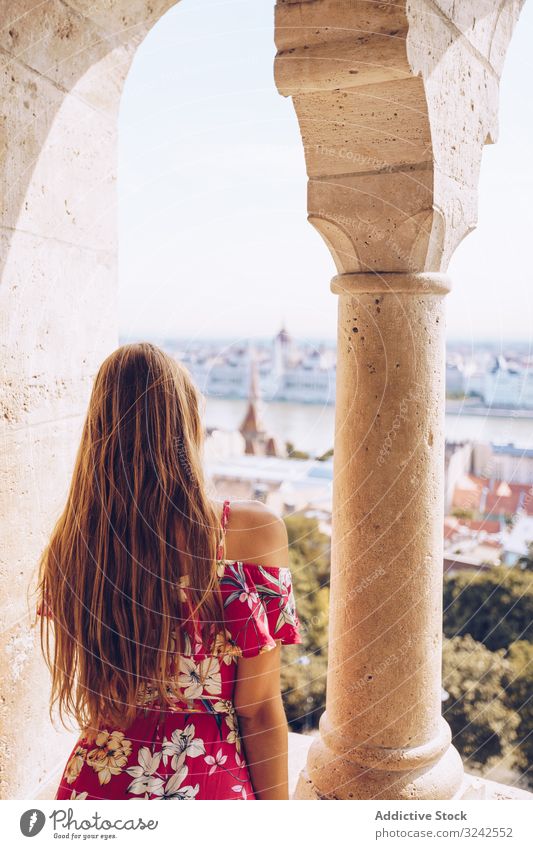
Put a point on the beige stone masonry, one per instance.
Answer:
(62, 68)
(395, 102)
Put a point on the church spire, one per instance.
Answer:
(257, 440)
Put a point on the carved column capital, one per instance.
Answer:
(395, 102)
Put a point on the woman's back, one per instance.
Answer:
(191, 748)
(155, 635)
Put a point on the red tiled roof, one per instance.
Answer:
(467, 494)
(500, 505)
(453, 527)
(527, 499)
(493, 497)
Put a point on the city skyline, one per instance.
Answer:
(265, 337)
(212, 189)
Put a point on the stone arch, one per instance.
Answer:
(395, 101)
(66, 60)
(375, 87)
(64, 65)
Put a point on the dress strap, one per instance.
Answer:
(225, 516)
(224, 523)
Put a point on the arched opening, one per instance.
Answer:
(215, 253)
(227, 185)
(490, 404)
(59, 159)
(214, 247)
(490, 308)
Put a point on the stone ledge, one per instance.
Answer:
(299, 745)
(473, 787)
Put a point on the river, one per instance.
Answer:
(310, 426)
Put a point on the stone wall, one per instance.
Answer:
(63, 68)
(395, 101)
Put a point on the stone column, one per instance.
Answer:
(395, 102)
(382, 735)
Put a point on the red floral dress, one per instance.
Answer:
(192, 750)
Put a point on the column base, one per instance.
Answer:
(333, 776)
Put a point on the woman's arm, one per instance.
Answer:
(262, 723)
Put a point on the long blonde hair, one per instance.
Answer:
(136, 521)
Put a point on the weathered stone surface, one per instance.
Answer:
(54, 182)
(395, 102)
(395, 86)
(371, 219)
(57, 314)
(29, 743)
(62, 73)
(319, 21)
(372, 128)
(61, 298)
(349, 63)
(54, 40)
(74, 53)
(487, 26)
(32, 461)
(125, 19)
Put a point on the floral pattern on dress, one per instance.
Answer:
(260, 603)
(110, 755)
(192, 748)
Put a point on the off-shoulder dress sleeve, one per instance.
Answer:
(259, 607)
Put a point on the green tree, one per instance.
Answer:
(494, 606)
(463, 513)
(304, 670)
(294, 454)
(519, 692)
(484, 726)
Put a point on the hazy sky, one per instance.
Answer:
(213, 231)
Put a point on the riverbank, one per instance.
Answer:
(460, 408)
(310, 426)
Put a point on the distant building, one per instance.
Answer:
(455, 379)
(474, 379)
(220, 444)
(452, 565)
(457, 463)
(503, 462)
(256, 438)
(471, 544)
(302, 376)
(501, 525)
(286, 371)
(283, 349)
(285, 484)
(298, 371)
(518, 539)
(508, 385)
(492, 498)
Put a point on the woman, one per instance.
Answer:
(167, 611)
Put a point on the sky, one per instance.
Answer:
(214, 241)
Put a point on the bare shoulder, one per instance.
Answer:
(256, 533)
(254, 515)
